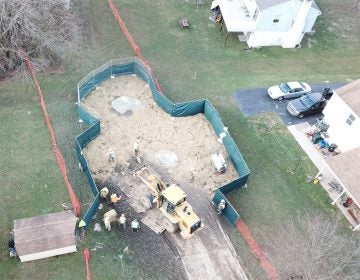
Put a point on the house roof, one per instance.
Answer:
(346, 166)
(44, 232)
(350, 94)
(264, 4)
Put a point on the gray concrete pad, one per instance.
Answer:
(256, 101)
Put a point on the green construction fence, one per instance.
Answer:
(134, 65)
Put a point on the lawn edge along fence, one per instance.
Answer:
(134, 65)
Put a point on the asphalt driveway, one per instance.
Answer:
(255, 101)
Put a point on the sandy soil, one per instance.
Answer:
(177, 149)
(181, 148)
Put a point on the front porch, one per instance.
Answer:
(335, 175)
(236, 16)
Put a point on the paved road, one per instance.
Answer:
(255, 101)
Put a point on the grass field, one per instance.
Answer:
(189, 64)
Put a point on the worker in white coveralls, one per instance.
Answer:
(136, 148)
(221, 206)
(135, 225)
(122, 221)
(12, 250)
(111, 155)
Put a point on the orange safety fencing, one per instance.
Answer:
(86, 259)
(256, 250)
(132, 43)
(59, 157)
(124, 29)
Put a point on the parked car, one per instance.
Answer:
(308, 104)
(288, 90)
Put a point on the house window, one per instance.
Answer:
(276, 19)
(350, 119)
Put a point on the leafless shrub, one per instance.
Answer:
(41, 28)
(314, 247)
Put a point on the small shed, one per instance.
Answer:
(45, 236)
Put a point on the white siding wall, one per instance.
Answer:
(287, 11)
(310, 20)
(267, 38)
(269, 33)
(336, 113)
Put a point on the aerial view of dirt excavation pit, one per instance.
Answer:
(136, 133)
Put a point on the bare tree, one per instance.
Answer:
(314, 247)
(41, 28)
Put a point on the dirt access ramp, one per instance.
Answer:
(179, 149)
(209, 254)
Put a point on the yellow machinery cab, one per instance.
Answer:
(174, 202)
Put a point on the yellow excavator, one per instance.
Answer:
(171, 200)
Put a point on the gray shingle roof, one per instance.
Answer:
(346, 166)
(350, 94)
(264, 4)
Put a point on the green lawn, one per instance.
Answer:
(30, 179)
(189, 64)
(194, 64)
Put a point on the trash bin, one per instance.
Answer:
(316, 138)
(332, 147)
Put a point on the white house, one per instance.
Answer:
(342, 113)
(339, 171)
(268, 22)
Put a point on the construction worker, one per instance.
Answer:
(109, 217)
(11, 245)
(221, 206)
(136, 148)
(135, 226)
(114, 198)
(82, 225)
(111, 155)
(104, 192)
(317, 179)
(122, 220)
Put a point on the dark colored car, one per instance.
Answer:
(308, 104)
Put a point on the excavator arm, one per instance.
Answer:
(153, 182)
